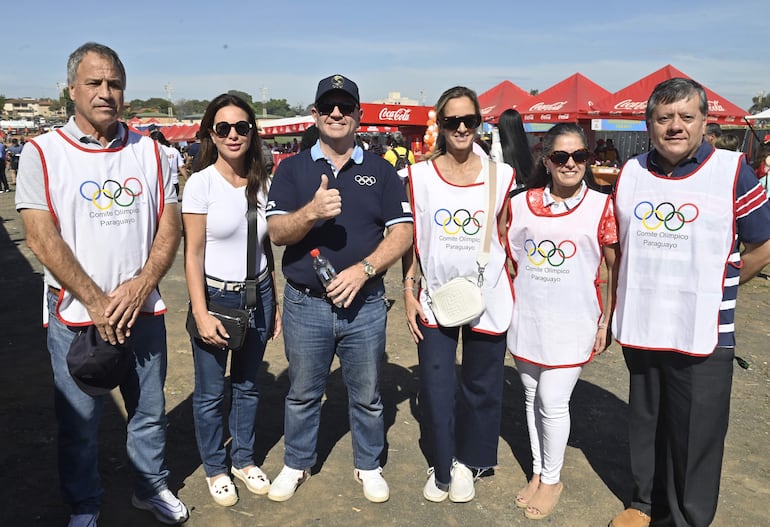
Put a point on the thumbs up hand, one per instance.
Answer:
(327, 203)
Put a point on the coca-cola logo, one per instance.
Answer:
(628, 104)
(402, 114)
(543, 107)
(715, 106)
(563, 117)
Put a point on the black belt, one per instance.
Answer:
(308, 291)
(369, 286)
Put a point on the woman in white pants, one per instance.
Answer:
(558, 232)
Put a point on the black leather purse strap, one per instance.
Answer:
(251, 257)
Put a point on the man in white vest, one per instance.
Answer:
(100, 213)
(683, 210)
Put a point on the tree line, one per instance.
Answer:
(186, 107)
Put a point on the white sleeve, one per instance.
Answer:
(195, 199)
(30, 181)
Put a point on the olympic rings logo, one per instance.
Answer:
(665, 214)
(548, 251)
(460, 220)
(365, 180)
(111, 192)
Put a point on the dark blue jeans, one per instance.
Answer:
(209, 394)
(460, 421)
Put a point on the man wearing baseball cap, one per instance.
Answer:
(339, 199)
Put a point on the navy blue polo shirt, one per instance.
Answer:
(373, 199)
(752, 213)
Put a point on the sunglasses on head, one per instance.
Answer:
(326, 108)
(222, 128)
(453, 123)
(560, 157)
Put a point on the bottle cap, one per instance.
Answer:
(315, 252)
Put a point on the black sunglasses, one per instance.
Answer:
(561, 157)
(453, 123)
(326, 108)
(222, 128)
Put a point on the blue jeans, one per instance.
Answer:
(461, 422)
(313, 332)
(209, 395)
(78, 415)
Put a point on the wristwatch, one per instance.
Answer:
(369, 269)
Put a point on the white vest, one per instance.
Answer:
(557, 301)
(676, 235)
(447, 223)
(106, 204)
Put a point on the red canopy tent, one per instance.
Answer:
(499, 98)
(567, 101)
(631, 101)
(178, 133)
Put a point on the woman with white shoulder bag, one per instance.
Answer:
(458, 267)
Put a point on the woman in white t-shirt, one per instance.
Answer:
(214, 212)
(450, 197)
(559, 231)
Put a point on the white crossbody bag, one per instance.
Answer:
(460, 301)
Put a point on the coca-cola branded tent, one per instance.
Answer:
(499, 98)
(394, 115)
(631, 101)
(567, 101)
(375, 118)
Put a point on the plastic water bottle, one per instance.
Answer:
(324, 269)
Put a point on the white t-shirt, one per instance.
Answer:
(174, 161)
(208, 192)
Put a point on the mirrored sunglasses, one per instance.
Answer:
(561, 157)
(222, 128)
(326, 108)
(453, 123)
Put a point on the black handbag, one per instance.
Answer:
(235, 321)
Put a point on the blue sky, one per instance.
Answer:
(203, 48)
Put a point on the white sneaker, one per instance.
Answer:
(223, 491)
(87, 519)
(286, 483)
(166, 507)
(431, 492)
(375, 487)
(461, 489)
(256, 480)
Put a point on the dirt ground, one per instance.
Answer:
(596, 471)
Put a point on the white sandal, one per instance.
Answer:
(256, 480)
(223, 490)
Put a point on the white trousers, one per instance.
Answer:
(547, 392)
